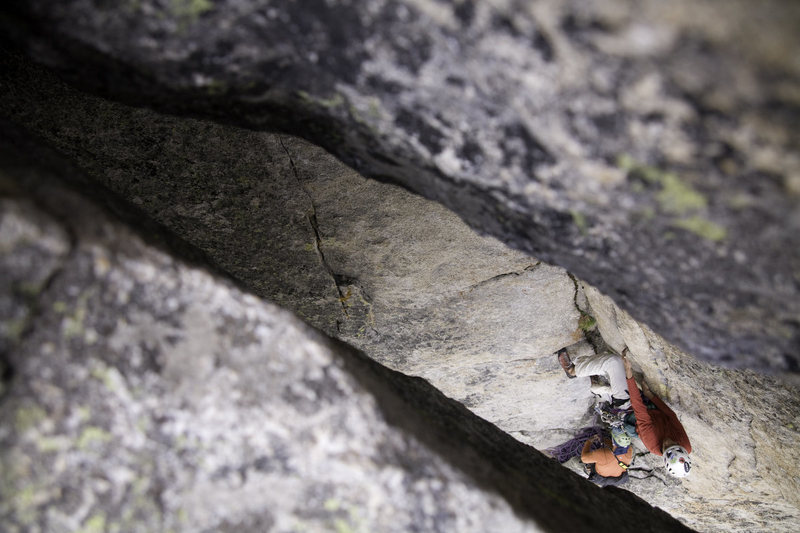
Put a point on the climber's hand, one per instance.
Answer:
(628, 368)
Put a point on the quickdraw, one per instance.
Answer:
(609, 416)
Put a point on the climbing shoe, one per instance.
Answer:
(566, 363)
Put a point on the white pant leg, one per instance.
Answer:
(609, 365)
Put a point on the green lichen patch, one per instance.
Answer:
(341, 526)
(374, 108)
(741, 201)
(101, 373)
(190, 9)
(83, 413)
(91, 436)
(11, 472)
(28, 417)
(30, 289)
(331, 504)
(24, 503)
(21, 496)
(579, 219)
(73, 325)
(677, 197)
(646, 214)
(334, 101)
(702, 227)
(95, 524)
(52, 444)
(348, 519)
(141, 503)
(13, 329)
(626, 162)
(586, 322)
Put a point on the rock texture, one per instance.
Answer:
(650, 148)
(406, 281)
(744, 429)
(148, 395)
(394, 274)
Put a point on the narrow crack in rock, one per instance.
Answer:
(575, 295)
(523, 359)
(498, 277)
(312, 220)
(593, 337)
(648, 473)
(356, 288)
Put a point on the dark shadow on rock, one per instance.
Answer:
(536, 487)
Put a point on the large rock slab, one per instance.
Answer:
(148, 395)
(744, 428)
(389, 272)
(410, 284)
(649, 149)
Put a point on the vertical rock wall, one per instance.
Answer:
(744, 428)
(406, 281)
(648, 147)
(143, 394)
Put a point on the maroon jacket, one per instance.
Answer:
(655, 425)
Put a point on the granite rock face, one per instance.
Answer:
(743, 426)
(148, 395)
(391, 273)
(649, 148)
(407, 282)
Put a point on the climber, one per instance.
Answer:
(607, 364)
(605, 457)
(612, 459)
(659, 428)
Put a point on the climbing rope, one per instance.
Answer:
(573, 447)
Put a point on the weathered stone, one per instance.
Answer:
(649, 149)
(410, 284)
(151, 396)
(743, 478)
(30, 251)
(394, 274)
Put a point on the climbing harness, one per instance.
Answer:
(611, 416)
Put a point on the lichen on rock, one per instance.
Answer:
(651, 152)
(200, 407)
(513, 116)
